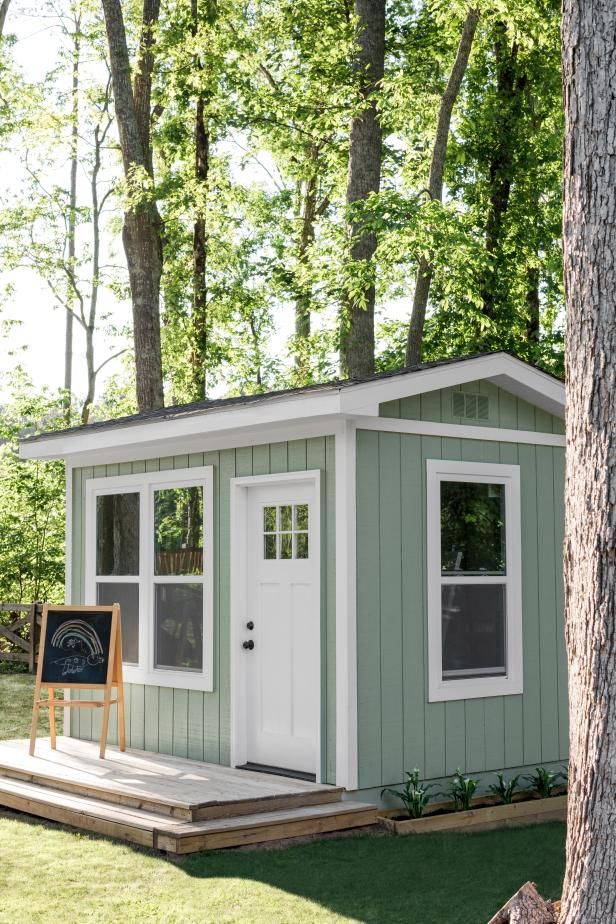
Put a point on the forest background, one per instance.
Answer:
(299, 208)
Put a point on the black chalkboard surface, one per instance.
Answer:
(76, 647)
(81, 647)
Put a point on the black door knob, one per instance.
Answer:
(249, 645)
(250, 625)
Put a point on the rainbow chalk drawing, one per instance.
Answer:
(83, 643)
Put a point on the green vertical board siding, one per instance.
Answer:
(477, 735)
(504, 409)
(194, 723)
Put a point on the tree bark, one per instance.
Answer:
(435, 183)
(589, 241)
(4, 8)
(200, 236)
(72, 215)
(509, 85)
(364, 177)
(525, 907)
(142, 232)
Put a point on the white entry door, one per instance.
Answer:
(282, 621)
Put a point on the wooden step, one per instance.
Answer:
(171, 786)
(150, 829)
(266, 826)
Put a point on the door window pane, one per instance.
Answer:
(473, 630)
(127, 595)
(178, 531)
(285, 531)
(472, 528)
(179, 626)
(117, 534)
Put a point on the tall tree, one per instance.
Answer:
(142, 232)
(435, 183)
(4, 8)
(589, 229)
(72, 213)
(364, 178)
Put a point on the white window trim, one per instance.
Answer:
(440, 690)
(145, 483)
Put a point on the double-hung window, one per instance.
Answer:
(474, 580)
(149, 540)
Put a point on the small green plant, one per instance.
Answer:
(543, 781)
(461, 791)
(413, 795)
(504, 789)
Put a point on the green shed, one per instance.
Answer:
(344, 581)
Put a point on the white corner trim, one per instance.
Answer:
(461, 431)
(346, 608)
(144, 484)
(238, 603)
(440, 690)
(68, 568)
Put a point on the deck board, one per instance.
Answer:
(174, 785)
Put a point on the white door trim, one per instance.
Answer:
(238, 602)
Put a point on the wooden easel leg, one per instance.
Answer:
(35, 714)
(105, 727)
(52, 717)
(120, 708)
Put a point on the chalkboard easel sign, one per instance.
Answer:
(80, 648)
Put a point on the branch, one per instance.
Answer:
(110, 359)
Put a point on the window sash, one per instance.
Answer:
(440, 686)
(145, 484)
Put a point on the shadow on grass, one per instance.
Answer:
(444, 878)
(427, 879)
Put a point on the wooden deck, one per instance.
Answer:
(168, 803)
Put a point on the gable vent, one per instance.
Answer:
(471, 407)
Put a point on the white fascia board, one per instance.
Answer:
(216, 429)
(506, 371)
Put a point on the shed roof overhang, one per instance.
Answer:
(287, 415)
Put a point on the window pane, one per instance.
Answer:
(269, 519)
(270, 546)
(301, 540)
(474, 634)
(178, 531)
(301, 516)
(179, 626)
(286, 545)
(472, 527)
(285, 517)
(117, 534)
(127, 595)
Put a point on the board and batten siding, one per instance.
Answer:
(191, 723)
(398, 729)
(504, 409)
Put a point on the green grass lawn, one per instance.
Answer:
(50, 875)
(16, 698)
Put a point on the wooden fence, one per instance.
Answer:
(20, 632)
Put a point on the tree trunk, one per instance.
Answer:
(526, 907)
(72, 214)
(364, 177)
(435, 183)
(200, 236)
(589, 240)
(4, 8)
(509, 84)
(142, 232)
(533, 305)
(308, 209)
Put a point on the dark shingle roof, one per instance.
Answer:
(201, 407)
